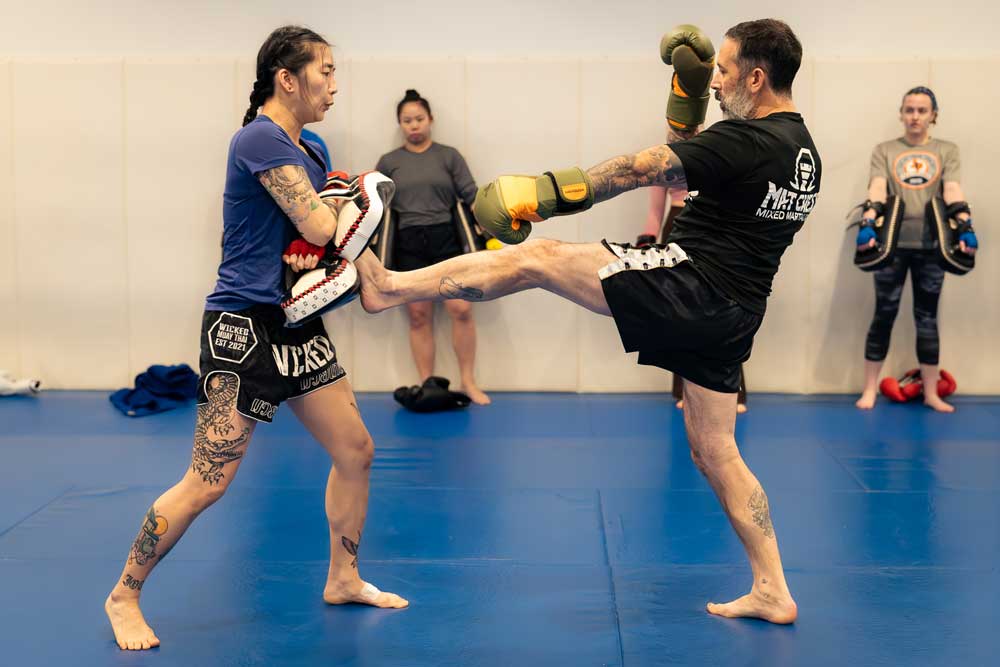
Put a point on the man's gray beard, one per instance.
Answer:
(739, 105)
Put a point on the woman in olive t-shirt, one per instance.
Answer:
(914, 167)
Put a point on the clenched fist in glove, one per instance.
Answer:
(507, 206)
(692, 55)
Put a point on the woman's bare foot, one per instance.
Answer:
(361, 592)
(756, 604)
(937, 404)
(131, 631)
(867, 400)
(475, 393)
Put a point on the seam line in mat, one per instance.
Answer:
(36, 511)
(611, 577)
(850, 473)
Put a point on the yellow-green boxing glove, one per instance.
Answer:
(507, 206)
(692, 55)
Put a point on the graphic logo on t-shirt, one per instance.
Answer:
(916, 169)
(804, 179)
(231, 338)
(796, 201)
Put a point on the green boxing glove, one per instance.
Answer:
(692, 55)
(507, 206)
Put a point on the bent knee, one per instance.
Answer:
(420, 318)
(202, 491)
(540, 256)
(713, 455)
(355, 453)
(460, 311)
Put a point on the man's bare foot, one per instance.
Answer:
(475, 393)
(867, 400)
(131, 631)
(374, 281)
(937, 404)
(758, 605)
(361, 592)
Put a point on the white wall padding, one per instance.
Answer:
(110, 213)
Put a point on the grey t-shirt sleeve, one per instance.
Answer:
(880, 163)
(465, 185)
(952, 168)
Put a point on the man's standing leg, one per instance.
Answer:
(710, 418)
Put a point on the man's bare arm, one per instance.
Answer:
(657, 165)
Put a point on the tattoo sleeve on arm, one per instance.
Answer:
(658, 165)
(674, 134)
(290, 188)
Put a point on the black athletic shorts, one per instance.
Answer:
(669, 313)
(424, 245)
(269, 362)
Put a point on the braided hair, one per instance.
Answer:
(288, 47)
(413, 96)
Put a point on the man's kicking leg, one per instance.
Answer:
(567, 269)
(709, 417)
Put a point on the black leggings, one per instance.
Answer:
(927, 277)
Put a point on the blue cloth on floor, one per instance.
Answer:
(159, 389)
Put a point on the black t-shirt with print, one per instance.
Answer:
(751, 185)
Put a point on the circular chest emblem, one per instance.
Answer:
(917, 169)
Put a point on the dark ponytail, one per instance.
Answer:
(289, 47)
(413, 96)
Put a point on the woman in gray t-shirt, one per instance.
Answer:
(430, 178)
(915, 167)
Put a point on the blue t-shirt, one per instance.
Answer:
(318, 140)
(255, 229)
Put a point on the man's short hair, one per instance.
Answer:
(770, 45)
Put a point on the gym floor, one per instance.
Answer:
(547, 529)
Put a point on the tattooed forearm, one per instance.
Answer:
(212, 448)
(674, 134)
(134, 584)
(352, 547)
(453, 290)
(290, 187)
(654, 166)
(144, 547)
(760, 511)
